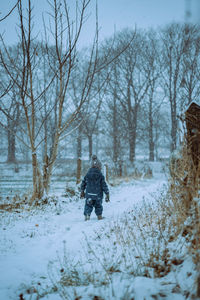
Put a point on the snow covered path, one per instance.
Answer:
(29, 242)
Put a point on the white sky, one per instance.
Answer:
(112, 14)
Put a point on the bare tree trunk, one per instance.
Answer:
(90, 142)
(11, 158)
(106, 172)
(49, 168)
(78, 173)
(132, 144)
(173, 128)
(79, 142)
(151, 140)
(132, 126)
(151, 150)
(115, 129)
(79, 155)
(12, 127)
(38, 188)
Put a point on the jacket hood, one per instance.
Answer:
(95, 162)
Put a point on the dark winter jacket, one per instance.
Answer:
(94, 184)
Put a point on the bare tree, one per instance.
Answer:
(151, 104)
(90, 121)
(112, 111)
(61, 61)
(10, 122)
(10, 109)
(172, 57)
(134, 86)
(13, 119)
(190, 89)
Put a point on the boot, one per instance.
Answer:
(100, 217)
(87, 217)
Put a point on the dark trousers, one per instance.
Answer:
(90, 204)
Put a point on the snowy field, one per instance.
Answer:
(52, 253)
(17, 179)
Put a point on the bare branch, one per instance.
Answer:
(9, 12)
(21, 140)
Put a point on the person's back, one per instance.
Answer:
(92, 188)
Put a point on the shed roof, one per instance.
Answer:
(193, 104)
(192, 115)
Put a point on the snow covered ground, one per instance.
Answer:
(42, 250)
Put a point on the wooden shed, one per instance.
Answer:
(192, 119)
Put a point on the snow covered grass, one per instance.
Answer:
(16, 179)
(142, 251)
(145, 247)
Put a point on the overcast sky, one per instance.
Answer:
(116, 14)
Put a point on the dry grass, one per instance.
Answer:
(15, 203)
(185, 193)
(146, 242)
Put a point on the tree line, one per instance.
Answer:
(128, 91)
